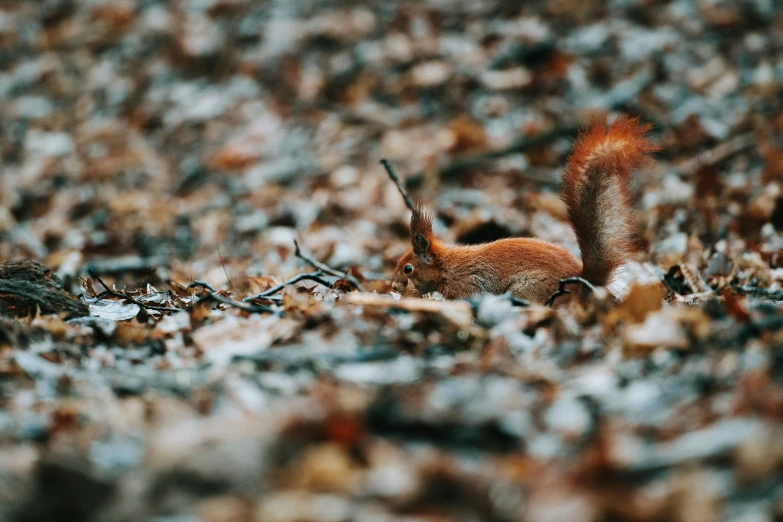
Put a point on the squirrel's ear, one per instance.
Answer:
(422, 248)
(421, 222)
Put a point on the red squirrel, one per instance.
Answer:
(597, 194)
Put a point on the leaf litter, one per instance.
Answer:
(205, 176)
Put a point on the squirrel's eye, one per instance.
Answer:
(408, 269)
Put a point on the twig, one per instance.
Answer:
(774, 295)
(466, 161)
(567, 281)
(225, 271)
(202, 284)
(252, 308)
(618, 96)
(215, 296)
(393, 175)
(315, 276)
(718, 154)
(326, 269)
(124, 295)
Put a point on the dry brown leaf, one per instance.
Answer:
(735, 306)
(640, 301)
(326, 467)
(464, 134)
(234, 156)
(258, 284)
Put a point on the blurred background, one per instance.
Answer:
(152, 141)
(158, 132)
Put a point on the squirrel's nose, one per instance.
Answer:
(395, 287)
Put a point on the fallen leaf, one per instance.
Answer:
(114, 309)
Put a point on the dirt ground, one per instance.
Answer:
(162, 158)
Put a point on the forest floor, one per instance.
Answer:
(162, 158)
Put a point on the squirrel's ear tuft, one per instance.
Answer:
(422, 247)
(421, 222)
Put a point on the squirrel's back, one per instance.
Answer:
(597, 193)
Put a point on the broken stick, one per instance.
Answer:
(323, 267)
(396, 180)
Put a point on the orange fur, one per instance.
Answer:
(596, 191)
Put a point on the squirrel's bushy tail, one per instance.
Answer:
(597, 192)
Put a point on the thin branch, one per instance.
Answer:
(618, 96)
(124, 295)
(467, 161)
(252, 308)
(202, 284)
(718, 154)
(567, 281)
(315, 276)
(326, 269)
(396, 179)
(215, 296)
(774, 295)
(225, 270)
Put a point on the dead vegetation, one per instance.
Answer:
(205, 176)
